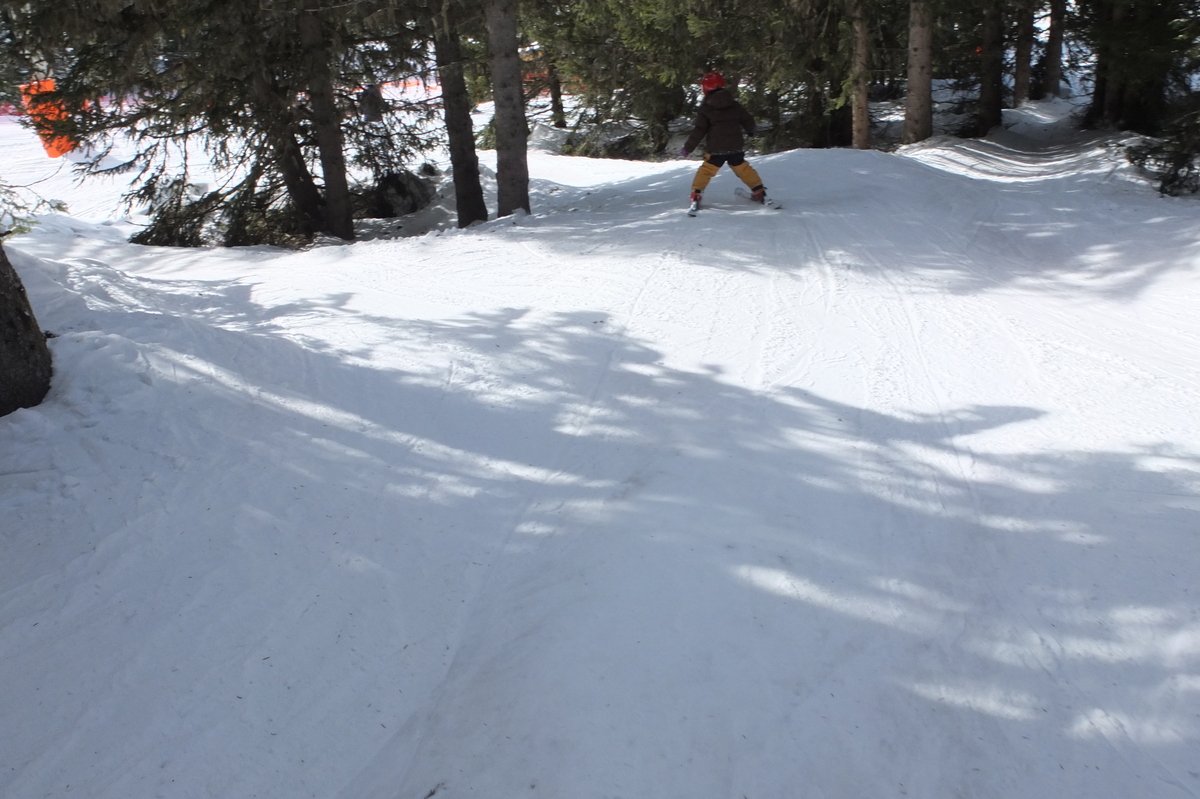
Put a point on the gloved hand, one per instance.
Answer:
(685, 152)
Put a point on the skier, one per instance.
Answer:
(721, 119)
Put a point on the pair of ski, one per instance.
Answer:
(694, 208)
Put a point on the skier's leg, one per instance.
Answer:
(704, 174)
(747, 175)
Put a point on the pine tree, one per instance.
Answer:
(860, 74)
(1143, 57)
(1023, 50)
(264, 86)
(991, 65)
(512, 131)
(1052, 72)
(326, 118)
(456, 108)
(918, 115)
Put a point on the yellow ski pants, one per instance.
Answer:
(737, 162)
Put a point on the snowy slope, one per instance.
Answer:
(895, 492)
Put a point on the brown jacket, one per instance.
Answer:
(722, 119)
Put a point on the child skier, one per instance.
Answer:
(721, 120)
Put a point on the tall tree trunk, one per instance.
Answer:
(327, 123)
(456, 107)
(664, 105)
(918, 110)
(298, 180)
(1052, 76)
(1100, 73)
(512, 131)
(25, 367)
(557, 113)
(773, 112)
(1095, 112)
(991, 68)
(1023, 55)
(1115, 80)
(274, 112)
(1147, 54)
(860, 75)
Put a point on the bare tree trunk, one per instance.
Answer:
(1052, 79)
(860, 74)
(456, 107)
(327, 124)
(512, 131)
(25, 367)
(1112, 96)
(991, 68)
(1023, 55)
(275, 113)
(918, 111)
(557, 113)
(1095, 112)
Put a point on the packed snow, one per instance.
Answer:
(893, 492)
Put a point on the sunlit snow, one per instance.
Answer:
(893, 492)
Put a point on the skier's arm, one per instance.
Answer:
(748, 123)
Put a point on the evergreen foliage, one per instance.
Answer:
(265, 87)
(1145, 53)
(19, 205)
(639, 63)
(1175, 159)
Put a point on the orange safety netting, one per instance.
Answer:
(44, 113)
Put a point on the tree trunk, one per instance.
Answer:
(456, 107)
(860, 75)
(918, 111)
(663, 105)
(512, 132)
(25, 367)
(557, 113)
(1023, 55)
(1095, 112)
(991, 68)
(327, 124)
(1052, 77)
(773, 112)
(274, 112)
(1112, 95)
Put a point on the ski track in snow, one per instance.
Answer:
(892, 492)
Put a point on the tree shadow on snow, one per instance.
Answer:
(551, 558)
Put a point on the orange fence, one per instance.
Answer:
(45, 112)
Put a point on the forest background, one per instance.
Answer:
(282, 94)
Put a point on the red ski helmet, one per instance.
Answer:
(712, 81)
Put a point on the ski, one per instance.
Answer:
(768, 202)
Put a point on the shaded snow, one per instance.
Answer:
(894, 492)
